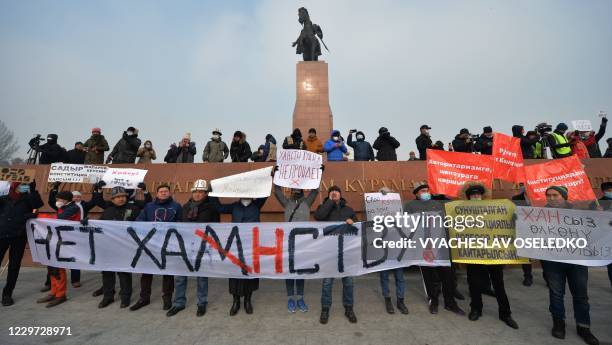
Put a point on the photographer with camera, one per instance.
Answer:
(385, 145)
(463, 142)
(362, 150)
(530, 146)
(484, 142)
(50, 152)
(559, 145)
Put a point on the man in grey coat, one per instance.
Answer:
(216, 150)
(297, 209)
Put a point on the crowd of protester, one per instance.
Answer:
(543, 141)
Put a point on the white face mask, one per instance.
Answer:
(359, 137)
(59, 204)
(148, 146)
(245, 202)
(335, 138)
(215, 136)
(130, 133)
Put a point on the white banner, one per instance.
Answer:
(310, 250)
(298, 169)
(378, 204)
(250, 184)
(582, 125)
(76, 173)
(564, 226)
(127, 178)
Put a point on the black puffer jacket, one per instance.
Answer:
(484, 145)
(385, 145)
(240, 150)
(15, 213)
(204, 211)
(51, 152)
(331, 211)
(126, 149)
(423, 142)
(462, 145)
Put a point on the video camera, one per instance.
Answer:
(34, 143)
(543, 128)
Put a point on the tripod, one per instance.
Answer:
(33, 155)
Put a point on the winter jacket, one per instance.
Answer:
(240, 150)
(75, 156)
(362, 150)
(51, 153)
(331, 211)
(216, 151)
(385, 145)
(314, 145)
(161, 211)
(100, 144)
(70, 211)
(294, 141)
(296, 210)
(527, 145)
(204, 211)
(484, 145)
(181, 154)
(592, 141)
(241, 213)
(423, 142)
(146, 155)
(84, 206)
(556, 146)
(127, 212)
(270, 148)
(15, 213)
(259, 155)
(335, 149)
(126, 149)
(461, 145)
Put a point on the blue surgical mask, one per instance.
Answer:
(425, 196)
(608, 195)
(24, 188)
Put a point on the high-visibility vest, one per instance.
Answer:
(537, 150)
(560, 139)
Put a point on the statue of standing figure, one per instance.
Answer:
(307, 43)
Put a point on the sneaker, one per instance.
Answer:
(76, 285)
(474, 315)
(433, 309)
(302, 305)
(201, 310)
(291, 305)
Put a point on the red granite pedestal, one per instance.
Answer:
(312, 108)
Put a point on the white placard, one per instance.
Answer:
(76, 173)
(582, 125)
(298, 169)
(127, 178)
(250, 184)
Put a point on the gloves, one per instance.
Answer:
(85, 221)
(142, 186)
(109, 159)
(33, 185)
(604, 120)
(56, 185)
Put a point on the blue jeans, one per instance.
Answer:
(293, 285)
(180, 290)
(577, 277)
(400, 283)
(347, 292)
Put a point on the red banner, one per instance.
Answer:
(448, 171)
(507, 158)
(566, 172)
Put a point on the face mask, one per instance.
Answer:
(59, 204)
(608, 195)
(24, 188)
(148, 146)
(360, 137)
(335, 138)
(245, 202)
(425, 196)
(130, 133)
(215, 136)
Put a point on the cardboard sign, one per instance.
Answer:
(127, 178)
(17, 174)
(298, 169)
(76, 173)
(250, 184)
(582, 125)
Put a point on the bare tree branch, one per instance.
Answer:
(8, 143)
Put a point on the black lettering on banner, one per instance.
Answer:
(365, 244)
(92, 247)
(297, 232)
(142, 246)
(45, 241)
(340, 230)
(182, 253)
(402, 236)
(234, 235)
(61, 242)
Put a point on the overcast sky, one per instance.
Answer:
(170, 67)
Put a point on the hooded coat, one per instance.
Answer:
(240, 150)
(335, 149)
(270, 148)
(314, 144)
(99, 143)
(126, 149)
(51, 152)
(15, 212)
(216, 151)
(362, 150)
(386, 145)
(294, 141)
(146, 155)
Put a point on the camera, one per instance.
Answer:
(34, 143)
(543, 128)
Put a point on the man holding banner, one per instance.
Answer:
(576, 276)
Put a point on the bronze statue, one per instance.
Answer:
(307, 43)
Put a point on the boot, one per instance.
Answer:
(7, 300)
(586, 335)
(474, 315)
(201, 310)
(105, 302)
(248, 306)
(401, 306)
(324, 315)
(350, 314)
(167, 303)
(389, 305)
(528, 280)
(235, 306)
(558, 330)
(56, 301)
